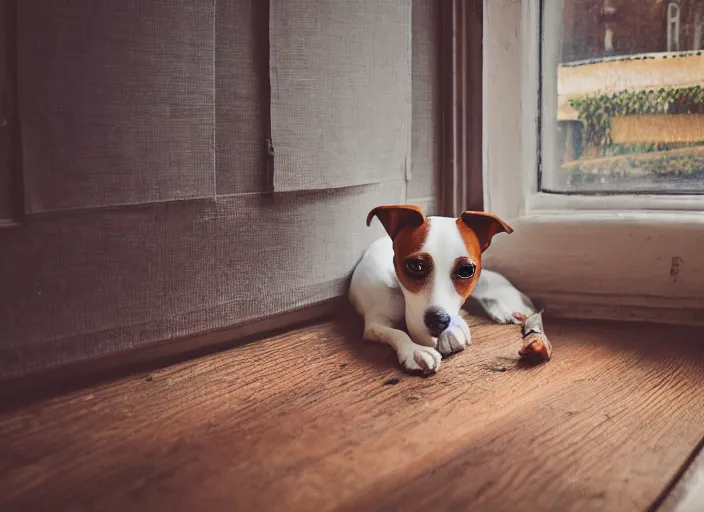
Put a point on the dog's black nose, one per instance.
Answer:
(436, 320)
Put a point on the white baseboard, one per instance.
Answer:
(624, 308)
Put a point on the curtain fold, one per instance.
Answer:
(340, 73)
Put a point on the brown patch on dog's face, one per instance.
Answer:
(414, 268)
(465, 286)
(477, 229)
(464, 276)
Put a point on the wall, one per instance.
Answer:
(150, 212)
(625, 74)
(582, 29)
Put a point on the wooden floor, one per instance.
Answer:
(317, 420)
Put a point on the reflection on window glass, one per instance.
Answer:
(623, 96)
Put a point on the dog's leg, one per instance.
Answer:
(455, 338)
(411, 356)
(500, 299)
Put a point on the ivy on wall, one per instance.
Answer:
(596, 111)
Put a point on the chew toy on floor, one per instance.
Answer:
(536, 345)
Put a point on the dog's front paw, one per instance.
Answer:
(420, 359)
(455, 338)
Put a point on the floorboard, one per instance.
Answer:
(317, 420)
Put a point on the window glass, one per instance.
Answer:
(622, 96)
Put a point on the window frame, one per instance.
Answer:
(461, 85)
(633, 257)
(673, 43)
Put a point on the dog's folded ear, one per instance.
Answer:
(396, 217)
(485, 226)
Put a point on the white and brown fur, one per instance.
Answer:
(421, 275)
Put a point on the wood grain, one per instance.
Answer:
(311, 420)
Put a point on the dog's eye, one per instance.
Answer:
(417, 267)
(465, 270)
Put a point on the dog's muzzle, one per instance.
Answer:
(436, 320)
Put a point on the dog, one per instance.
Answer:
(421, 274)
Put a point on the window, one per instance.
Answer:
(673, 27)
(630, 120)
(604, 155)
(609, 11)
(608, 41)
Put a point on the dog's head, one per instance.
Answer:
(437, 259)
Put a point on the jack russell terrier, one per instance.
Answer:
(423, 273)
